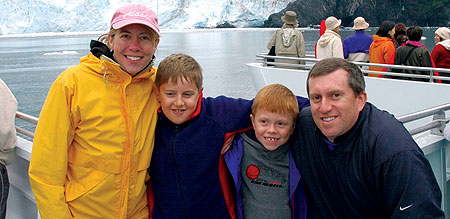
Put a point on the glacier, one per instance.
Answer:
(38, 16)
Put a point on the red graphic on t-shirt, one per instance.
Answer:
(252, 171)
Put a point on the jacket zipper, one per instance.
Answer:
(172, 144)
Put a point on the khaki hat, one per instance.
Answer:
(443, 32)
(289, 17)
(360, 24)
(331, 23)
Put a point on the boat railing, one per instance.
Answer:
(438, 123)
(309, 61)
(430, 137)
(29, 119)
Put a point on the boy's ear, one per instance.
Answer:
(157, 94)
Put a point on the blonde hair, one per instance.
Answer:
(179, 67)
(276, 98)
(112, 32)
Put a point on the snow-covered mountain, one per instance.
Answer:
(35, 16)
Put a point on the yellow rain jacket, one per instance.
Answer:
(93, 143)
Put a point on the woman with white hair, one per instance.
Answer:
(287, 40)
(441, 52)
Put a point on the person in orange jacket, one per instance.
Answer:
(382, 49)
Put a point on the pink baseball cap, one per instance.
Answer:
(135, 14)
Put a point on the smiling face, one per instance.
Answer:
(133, 47)
(178, 99)
(334, 106)
(272, 129)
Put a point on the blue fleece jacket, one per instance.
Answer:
(358, 42)
(184, 169)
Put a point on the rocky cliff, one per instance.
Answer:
(410, 12)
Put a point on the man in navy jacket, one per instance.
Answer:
(358, 161)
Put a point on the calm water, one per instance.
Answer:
(29, 65)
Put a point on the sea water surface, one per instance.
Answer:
(30, 63)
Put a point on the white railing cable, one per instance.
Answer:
(310, 58)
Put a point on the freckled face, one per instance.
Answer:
(178, 99)
(133, 47)
(334, 106)
(272, 129)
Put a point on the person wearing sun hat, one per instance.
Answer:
(288, 41)
(330, 44)
(356, 47)
(441, 52)
(94, 139)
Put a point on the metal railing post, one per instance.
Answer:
(440, 117)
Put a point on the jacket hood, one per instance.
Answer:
(326, 37)
(445, 44)
(377, 40)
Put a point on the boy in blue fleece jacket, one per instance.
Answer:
(187, 171)
(266, 179)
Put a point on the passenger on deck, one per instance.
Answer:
(288, 41)
(441, 52)
(413, 54)
(400, 37)
(8, 141)
(382, 49)
(260, 193)
(330, 44)
(95, 134)
(359, 161)
(356, 47)
(322, 29)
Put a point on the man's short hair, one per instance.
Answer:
(414, 33)
(329, 65)
(276, 98)
(179, 67)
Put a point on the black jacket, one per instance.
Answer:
(376, 171)
(418, 57)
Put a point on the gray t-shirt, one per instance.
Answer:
(265, 180)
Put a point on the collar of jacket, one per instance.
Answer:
(445, 44)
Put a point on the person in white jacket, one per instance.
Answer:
(8, 140)
(330, 43)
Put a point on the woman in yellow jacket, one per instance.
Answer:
(382, 49)
(95, 135)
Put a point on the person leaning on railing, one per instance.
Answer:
(382, 49)
(413, 54)
(8, 141)
(441, 52)
(288, 41)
